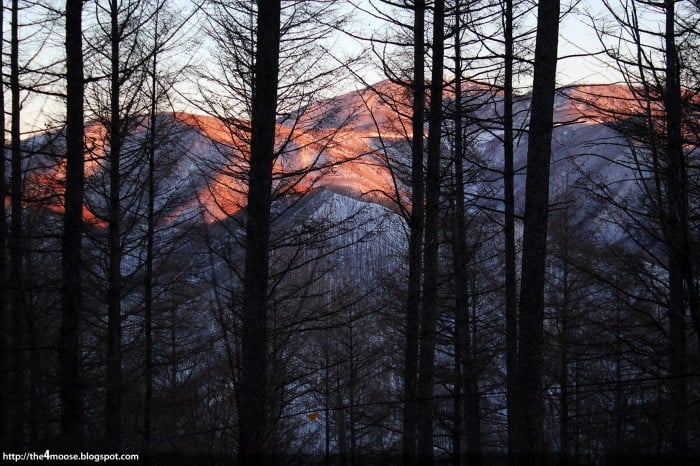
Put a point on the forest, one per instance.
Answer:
(351, 232)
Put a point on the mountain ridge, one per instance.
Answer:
(354, 144)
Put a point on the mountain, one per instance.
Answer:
(353, 145)
(339, 239)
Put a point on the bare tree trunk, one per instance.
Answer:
(150, 233)
(327, 402)
(343, 456)
(34, 373)
(415, 248)
(531, 345)
(678, 360)
(564, 437)
(426, 374)
(459, 260)
(472, 410)
(464, 357)
(460, 331)
(564, 446)
(4, 317)
(16, 240)
(174, 369)
(677, 237)
(25, 382)
(256, 275)
(619, 400)
(511, 306)
(113, 421)
(148, 288)
(69, 347)
(352, 378)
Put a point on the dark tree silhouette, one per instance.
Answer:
(426, 358)
(415, 248)
(17, 298)
(466, 406)
(4, 321)
(509, 270)
(254, 323)
(530, 407)
(69, 343)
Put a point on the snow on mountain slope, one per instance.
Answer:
(354, 145)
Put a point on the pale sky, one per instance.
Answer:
(576, 37)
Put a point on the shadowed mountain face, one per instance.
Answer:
(354, 145)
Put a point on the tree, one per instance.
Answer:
(4, 320)
(531, 319)
(304, 127)
(161, 133)
(120, 61)
(262, 150)
(69, 343)
(511, 305)
(466, 386)
(17, 298)
(113, 383)
(426, 356)
(651, 64)
(404, 96)
(415, 248)
(677, 233)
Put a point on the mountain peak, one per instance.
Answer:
(341, 144)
